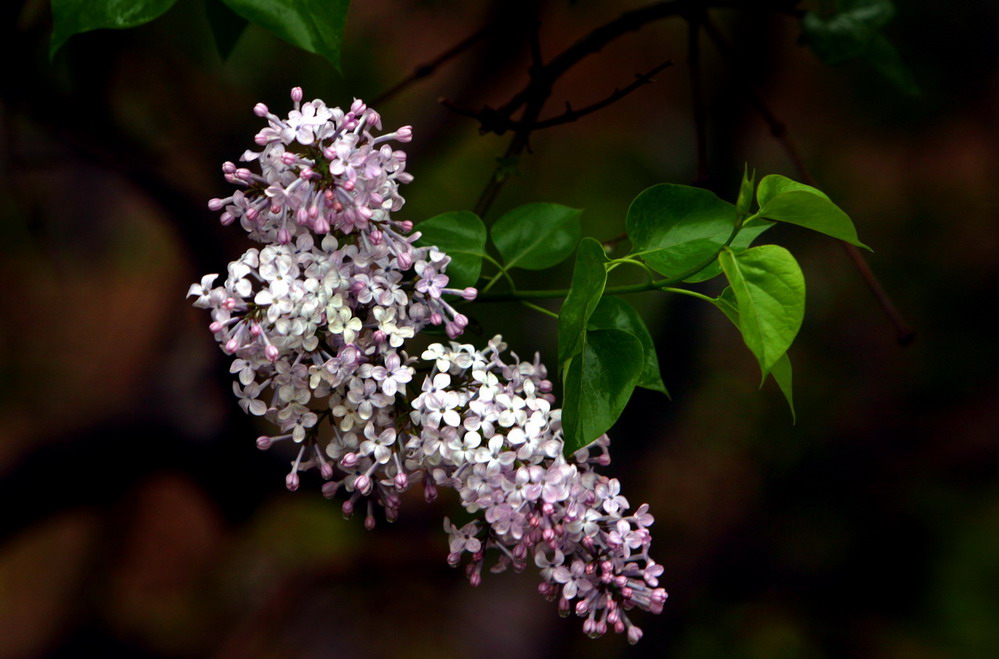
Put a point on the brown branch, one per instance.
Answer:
(904, 334)
(427, 69)
(570, 115)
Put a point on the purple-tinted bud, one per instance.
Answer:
(226, 218)
(321, 225)
(563, 607)
(252, 214)
(379, 337)
(614, 617)
(264, 442)
(296, 94)
(362, 484)
(216, 204)
(326, 470)
(229, 303)
(475, 578)
(255, 330)
(215, 327)
(634, 634)
(405, 260)
(469, 293)
(436, 318)
(347, 508)
(291, 481)
(347, 185)
(376, 236)
(271, 352)
(329, 489)
(284, 236)
(429, 492)
(228, 167)
(582, 606)
(369, 522)
(260, 110)
(404, 134)
(231, 346)
(401, 480)
(349, 461)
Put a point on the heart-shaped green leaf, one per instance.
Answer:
(536, 236)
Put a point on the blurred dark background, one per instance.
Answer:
(138, 518)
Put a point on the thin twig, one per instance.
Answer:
(570, 115)
(429, 68)
(904, 334)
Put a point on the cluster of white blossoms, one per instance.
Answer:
(316, 321)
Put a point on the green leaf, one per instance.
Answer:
(312, 25)
(227, 26)
(462, 236)
(598, 384)
(769, 291)
(677, 229)
(883, 56)
(854, 32)
(71, 17)
(589, 277)
(775, 185)
(745, 199)
(536, 236)
(785, 200)
(781, 371)
(845, 35)
(615, 313)
(750, 231)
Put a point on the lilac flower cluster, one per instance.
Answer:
(316, 321)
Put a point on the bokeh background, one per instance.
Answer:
(138, 519)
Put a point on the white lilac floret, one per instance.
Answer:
(317, 320)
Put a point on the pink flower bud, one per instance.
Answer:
(216, 204)
(362, 484)
(296, 94)
(226, 218)
(215, 327)
(260, 110)
(264, 442)
(469, 293)
(284, 236)
(349, 461)
(326, 471)
(291, 481)
(634, 635)
(369, 522)
(347, 508)
(271, 352)
(404, 134)
(582, 606)
(329, 489)
(231, 346)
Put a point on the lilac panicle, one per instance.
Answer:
(316, 320)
